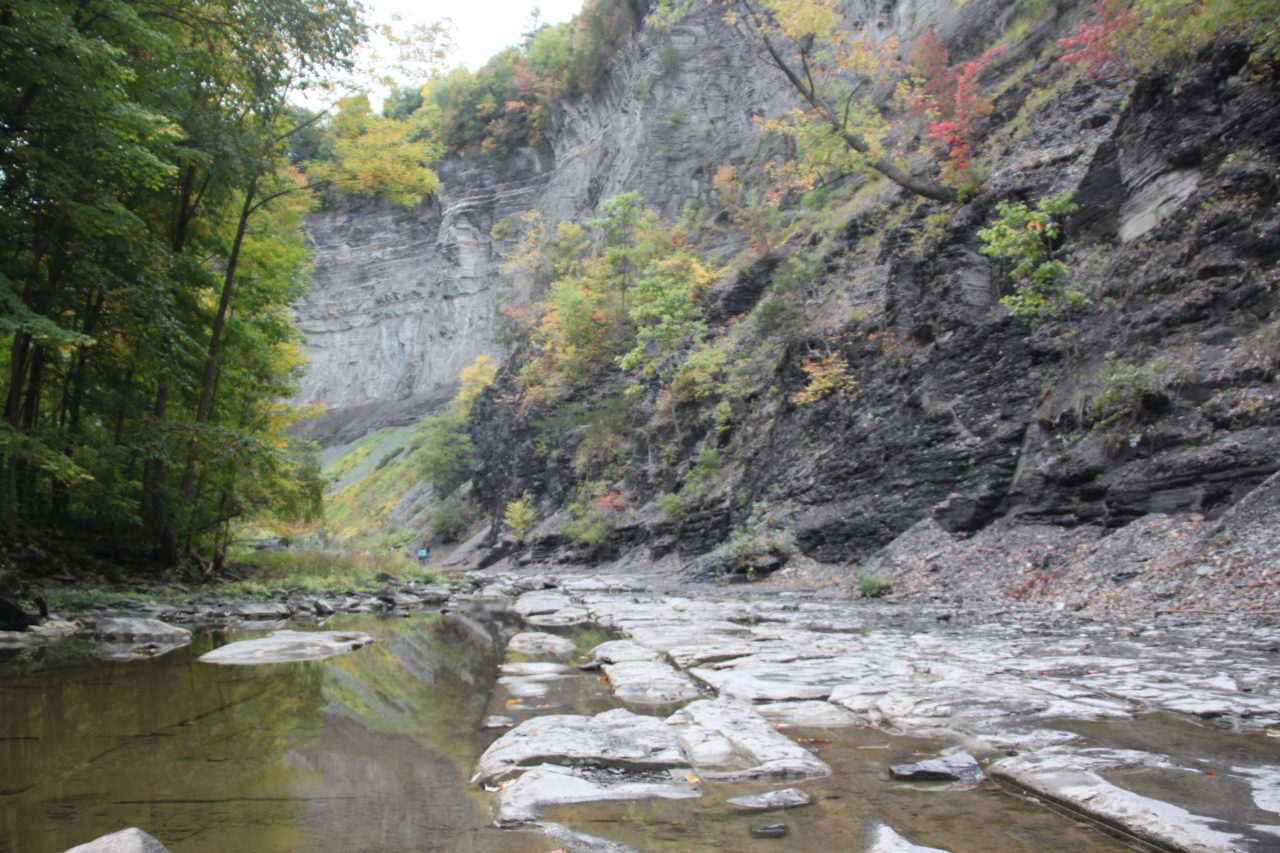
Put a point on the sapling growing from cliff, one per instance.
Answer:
(1027, 237)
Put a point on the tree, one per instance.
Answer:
(834, 72)
(145, 327)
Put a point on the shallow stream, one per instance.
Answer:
(371, 752)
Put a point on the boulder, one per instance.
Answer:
(288, 647)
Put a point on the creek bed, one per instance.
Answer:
(372, 751)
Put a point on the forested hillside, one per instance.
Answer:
(151, 250)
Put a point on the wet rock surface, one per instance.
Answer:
(1013, 690)
(287, 647)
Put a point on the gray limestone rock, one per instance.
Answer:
(552, 785)
(885, 839)
(649, 682)
(541, 645)
(288, 647)
(131, 840)
(728, 740)
(619, 651)
(806, 714)
(953, 766)
(616, 738)
(129, 628)
(785, 798)
(1073, 778)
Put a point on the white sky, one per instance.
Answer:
(480, 28)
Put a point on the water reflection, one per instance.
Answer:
(368, 751)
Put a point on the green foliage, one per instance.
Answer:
(1125, 385)
(1027, 237)
(520, 516)
(701, 477)
(672, 507)
(149, 258)
(594, 514)
(374, 155)
(760, 535)
(445, 454)
(321, 571)
(451, 519)
(872, 584)
(632, 297)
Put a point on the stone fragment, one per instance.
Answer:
(287, 647)
(885, 839)
(616, 738)
(776, 830)
(498, 721)
(728, 740)
(954, 766)
(553, 785)
(131, 840)
(785, 798)
(539, 645)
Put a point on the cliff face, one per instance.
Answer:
(1156, 400)
(403, 299)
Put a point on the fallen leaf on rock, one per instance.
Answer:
(692, 780)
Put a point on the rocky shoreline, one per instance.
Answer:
(710, 688)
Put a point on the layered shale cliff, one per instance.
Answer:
(1095, 450)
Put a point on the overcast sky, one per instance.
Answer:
(480, 28)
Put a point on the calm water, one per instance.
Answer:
(371, 751)
(368, 751)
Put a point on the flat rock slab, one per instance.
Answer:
(957, 766)
(49, 631)
(131, 840)
(535, 668)
(260, 610)
(1073, 778)
(649, 682)
(541, 645)
(885, 839)
(137, 628)
(552, 785)
(288, 647)
(809, 714)
(753, 679)
(728, 740)
(565, 617)
(616, 738)
(535, 603)
(785, 798)
(620, 651)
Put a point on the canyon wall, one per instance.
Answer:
(404, 299)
